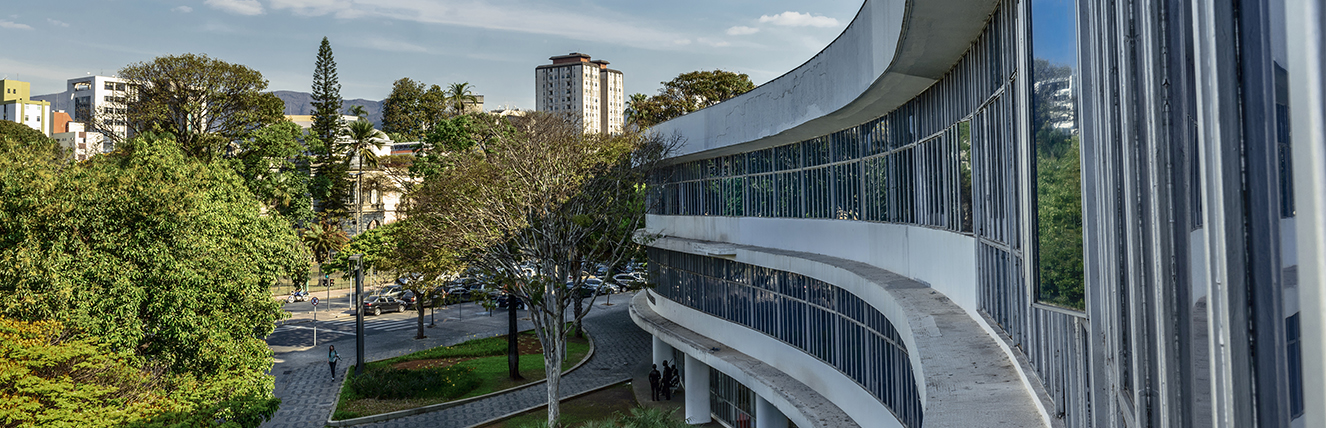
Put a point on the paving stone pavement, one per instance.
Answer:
(308, 394)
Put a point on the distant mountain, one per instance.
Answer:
(299, 103)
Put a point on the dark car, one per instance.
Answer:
(506, 298)
(410, 300)
(378, 304)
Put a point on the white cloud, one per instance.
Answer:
(682, 42)
(238, 7)
(712, 42)
(742, 30)
(388, 45)
(57, 23)
(181, 9)
(14, 25)
(315, 7)
(797, 19)
(515, 16)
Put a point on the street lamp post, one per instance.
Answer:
(357, 261)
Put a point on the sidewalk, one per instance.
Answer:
(308, 396)
(677, 405)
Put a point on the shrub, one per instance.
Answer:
(393, 383)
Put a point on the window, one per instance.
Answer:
(1294, 349)
(820, 319)
(1058, 169)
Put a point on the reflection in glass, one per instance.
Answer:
(1058, 154)
(964, 172)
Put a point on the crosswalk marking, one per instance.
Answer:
(380, 325)
(323, 330)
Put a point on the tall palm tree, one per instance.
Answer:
(458, 95)
(324, 239)
(362, 142)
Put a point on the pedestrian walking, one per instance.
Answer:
(333, 357)
(654, 382)
(667, 381)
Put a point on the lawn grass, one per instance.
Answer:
(614, 406)
(602, 405)
(485, 372)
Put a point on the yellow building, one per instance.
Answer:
(16, 105)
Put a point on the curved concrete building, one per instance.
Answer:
(967, 213)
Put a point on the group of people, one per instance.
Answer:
(662, 384)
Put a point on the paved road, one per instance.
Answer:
(296, 333)
(304, 384)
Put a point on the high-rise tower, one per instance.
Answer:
(576, 85)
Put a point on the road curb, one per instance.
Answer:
(443, 406)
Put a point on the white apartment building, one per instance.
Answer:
(574, 84)
(84, 97)
(17, 106)
(81, 144)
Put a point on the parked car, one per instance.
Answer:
(506, 298)
(600, 287)
(629, 281)
(411, 299)
(378, 304)
(392, 291)
(439, 294)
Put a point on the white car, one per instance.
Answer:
(629, 280)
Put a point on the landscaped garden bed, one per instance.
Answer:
(443, 374)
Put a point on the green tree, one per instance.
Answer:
(21, 133)
(326, 95)
(323, 240)
(205, 103)
(275, 166)
(1059, 251)
(433, 107)
(412, 109)
(358, 111)
(400, 110)
(544, 194)
(686, 93)
(149, 251)
(459, 97)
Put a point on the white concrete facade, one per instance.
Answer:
(912, 146)
(35, 115)
(91, 99)
(80, 143)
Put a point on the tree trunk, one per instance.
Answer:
(419, 307)
(512, 340)
(579, 308)
(552, 368)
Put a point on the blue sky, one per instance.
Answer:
(1053, 30)
(492, 44)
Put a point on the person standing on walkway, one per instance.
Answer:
(667, 381)
(654, 382)
(333, 357)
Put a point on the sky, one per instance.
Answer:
(1053, 27)
(492, 44)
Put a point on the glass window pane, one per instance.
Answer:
(1058, 157)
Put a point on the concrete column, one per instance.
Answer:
(662, 351)
(768, 416)
(697, 392)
